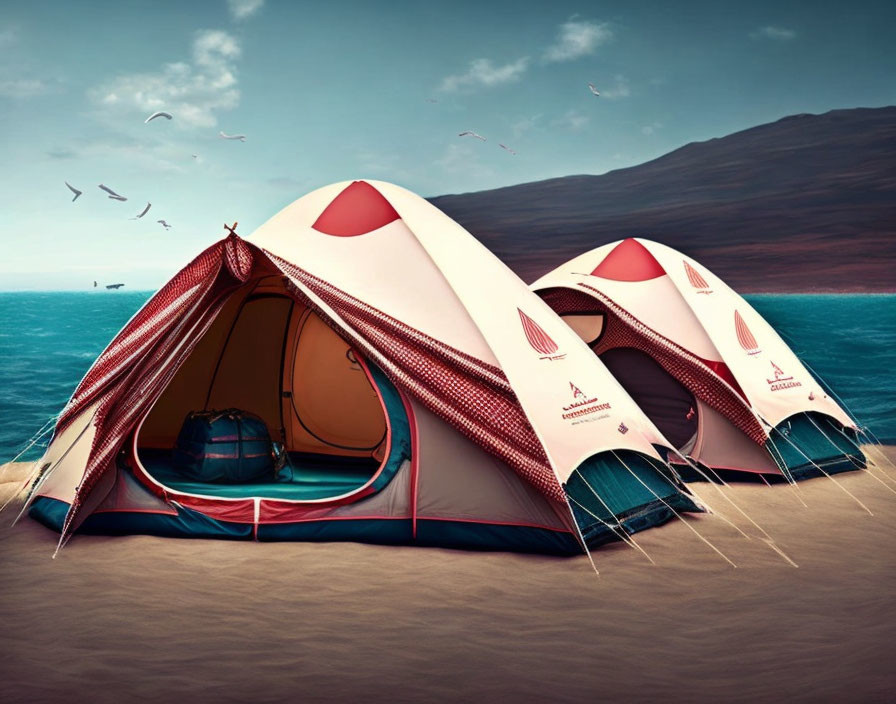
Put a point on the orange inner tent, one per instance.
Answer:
(270, 355)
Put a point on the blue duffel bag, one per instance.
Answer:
(229, 447)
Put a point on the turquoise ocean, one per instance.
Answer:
(48, 341)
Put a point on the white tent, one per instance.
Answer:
(716, 378)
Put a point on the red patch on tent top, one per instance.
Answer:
(629, 261)
(359, 209)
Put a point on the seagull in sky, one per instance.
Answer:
(505, 147)
(164, 224)
(470, 133)
(160, 113)
(240, 137)
(73, 190)
(112, 194)
(594, 91)
(145, 210)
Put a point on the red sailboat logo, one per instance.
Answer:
(540, 341)
(697, 281)
(744, 336)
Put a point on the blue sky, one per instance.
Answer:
(332, 91)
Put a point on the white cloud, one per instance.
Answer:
(20, 88)
(571, 120)
(779, 34)
(618, 89)
(193, 92)
(577, 38)
(484, 74)
(241, 9)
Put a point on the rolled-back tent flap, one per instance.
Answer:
(138, 364)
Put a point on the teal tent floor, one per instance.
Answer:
(617, 493)
(307, 478)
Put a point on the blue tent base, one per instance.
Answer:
(625, 491)
(430, 532)
(806, 442)
(734, 476)
(635, 492)
(653, 514)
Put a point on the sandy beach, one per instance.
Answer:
(142, 618)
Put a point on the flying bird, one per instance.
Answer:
(431, 100)
(114, 287)
(112, 194)
(468, 133)
(145, 210)
(160, 113)
(94, 284)
(164, 224)
(73, 190)
(505, 147)
(240, 137)
(593, 90)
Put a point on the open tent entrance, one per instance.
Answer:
(271, 356)
(671, 407)
(667, 402)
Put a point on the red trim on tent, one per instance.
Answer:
(629, 261)
(312, 519)
(482, 521)
(415, 460)
(486, 522)
(359, 209)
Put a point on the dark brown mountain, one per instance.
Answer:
(807, 203)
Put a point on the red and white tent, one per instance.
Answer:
(492, 411)
(714, 375)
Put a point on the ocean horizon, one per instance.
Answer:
(49, 339)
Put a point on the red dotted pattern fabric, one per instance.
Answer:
(130, 375)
